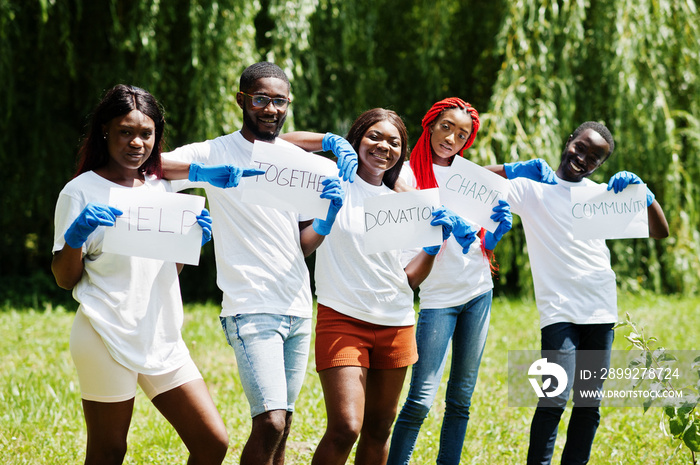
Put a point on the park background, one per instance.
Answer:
(533, 69)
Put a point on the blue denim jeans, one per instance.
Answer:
(272, 352)
(574, 347)
(466, 326)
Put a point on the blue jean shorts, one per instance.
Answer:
(272, 353)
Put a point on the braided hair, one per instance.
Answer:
(421, 160)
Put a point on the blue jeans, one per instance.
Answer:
(466, 326)
(272, 352)
(574, 347)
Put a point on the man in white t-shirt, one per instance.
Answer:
(575, 286)
(267, 306)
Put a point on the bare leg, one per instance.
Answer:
(268, 438)
(344, 395)
(191, 411)
(107, 428)
(278, 459)
(381, 403)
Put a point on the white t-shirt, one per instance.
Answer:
(456, 278)
(573, 279)
(133, 303)
(369, 287)
(260, 267)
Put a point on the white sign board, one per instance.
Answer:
(472, 191)
(401, 221)
(160, 225)
(292, 179)
(598, 213)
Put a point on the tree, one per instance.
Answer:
(533, 69)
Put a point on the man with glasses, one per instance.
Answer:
(267, 306)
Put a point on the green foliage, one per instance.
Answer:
(683, 416)
(56, 60)
(532, 101)
(533, 69)
(403, 55)
(283, 31)
(650, 68)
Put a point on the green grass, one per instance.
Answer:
(41, 419)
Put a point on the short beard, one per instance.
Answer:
(264, 136)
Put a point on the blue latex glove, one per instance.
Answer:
(204, 220)
(443, 217)
(222, 176)
(347, 158)
(536, 169)
(623, 179)
(336, 194)
(92, 216)
(502, 215)
(463, 233)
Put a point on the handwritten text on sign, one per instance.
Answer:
(292, 179)
(598, 213)
(160, 225)
(472, 191)
(401, 221)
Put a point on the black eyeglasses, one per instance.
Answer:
(261, 101)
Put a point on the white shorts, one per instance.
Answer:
(102, 379)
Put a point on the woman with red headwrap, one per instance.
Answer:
(455, 299)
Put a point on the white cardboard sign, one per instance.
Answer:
(472, 191)
(598, 213)
(292, 179)
(401, 221)
(160, 225)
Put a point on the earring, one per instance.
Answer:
(104, 136)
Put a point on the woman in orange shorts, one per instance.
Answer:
(364, 333)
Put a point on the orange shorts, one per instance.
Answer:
(345, 341)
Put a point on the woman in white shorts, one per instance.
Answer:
(127, 327)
